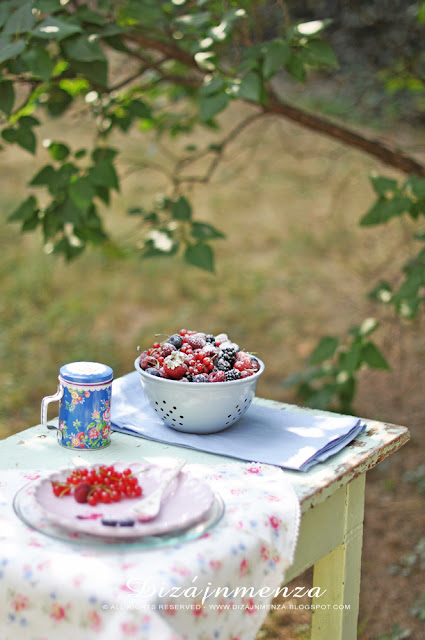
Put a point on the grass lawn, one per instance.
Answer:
(295, 266)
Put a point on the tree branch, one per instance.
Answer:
(391, 157)
(275, 106)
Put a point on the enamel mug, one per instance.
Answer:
(84, 395)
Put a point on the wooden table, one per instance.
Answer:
(331, 495)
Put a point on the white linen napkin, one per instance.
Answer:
(287, 439)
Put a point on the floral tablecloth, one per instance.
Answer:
(217, 587)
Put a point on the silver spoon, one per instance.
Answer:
(148, 508)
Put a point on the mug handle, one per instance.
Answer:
(44, 403)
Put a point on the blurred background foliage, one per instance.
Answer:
(172, 130)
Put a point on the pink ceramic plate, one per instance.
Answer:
(185, 503)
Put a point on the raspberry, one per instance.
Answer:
(246, 373)
(209, 350)
(146, 360)
(217, 376)
(244, 359)
(167, 349)
(197, 340)
(222, 337)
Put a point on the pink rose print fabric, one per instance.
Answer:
(217, 587)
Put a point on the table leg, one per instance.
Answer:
(339, 573)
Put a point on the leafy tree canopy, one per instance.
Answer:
(164, 67)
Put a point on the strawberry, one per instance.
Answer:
(174, 366)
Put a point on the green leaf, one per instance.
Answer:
(101, 154)
(38, 61)
(104, 175)
(215, 85)
(384, 209)
(5, 11)
(373, 357)
(96, 71)
(139, 109)
(55, 29)
(31, 223)
(204, 231)
(324, 350)
(209, 106)
(46, 176)
(194, 20)
(319, 53)
(346, 393)
(21, 21)
(7, 97)
(71, 212)
(181, 209)
(9, 134)
(9, 50)
(82, 192)
(349, 361)
(295, 66)
(84, 14)
(26, 139)
(251, 87)
(277, 54)
(418, 186)
(200, 255)
(58, 101)
(84, 48)
(67, 249)
(59, 151)
(383, 185)
(321, 398)
(415, 279)
(25, 210)
(48, 6)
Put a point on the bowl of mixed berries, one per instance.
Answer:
(198, 382)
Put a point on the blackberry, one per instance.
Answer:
(223, 364)
(228, 354)
(233, 374)
(210, 338)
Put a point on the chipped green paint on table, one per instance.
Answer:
(331, 495)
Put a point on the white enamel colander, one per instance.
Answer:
(205, 407)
